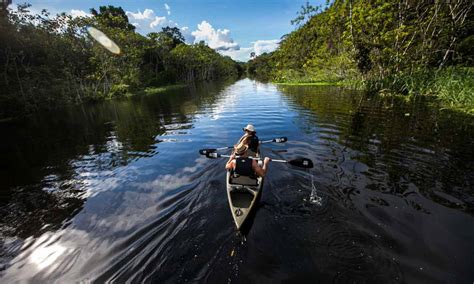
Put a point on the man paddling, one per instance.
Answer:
(244, 166)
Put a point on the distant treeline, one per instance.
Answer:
(48, 61)
(397, 45)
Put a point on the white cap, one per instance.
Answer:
(250, 128)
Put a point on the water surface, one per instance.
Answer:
(118, 192)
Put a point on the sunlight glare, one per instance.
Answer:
(45, 256)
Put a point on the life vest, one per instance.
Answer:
(253, 144)
(243, 167)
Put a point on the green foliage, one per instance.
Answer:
(157, 90)
(456, 87)
(307, 11)
(261, 67)
(112, 17)
(200, 62)
(389, 45)
(119, 90)
(453, 86)
(49, 61)
(174, 34)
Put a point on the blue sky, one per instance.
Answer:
(234, 28)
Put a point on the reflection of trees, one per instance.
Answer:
(402, 141)
(47, 159)
(32, 210)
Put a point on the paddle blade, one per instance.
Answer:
(205, 151)
(302, 163)
(280, 140)
(213, 155)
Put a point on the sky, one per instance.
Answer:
(233, 28)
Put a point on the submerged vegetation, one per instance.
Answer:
(408, 47)
(49, 61)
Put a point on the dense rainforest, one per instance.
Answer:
(49, 61)
(385, 46)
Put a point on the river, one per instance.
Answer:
(117, 191)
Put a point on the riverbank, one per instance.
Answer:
(118, 91)
(157, 90)
(310, 83)
(453, 87)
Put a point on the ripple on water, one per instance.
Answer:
(125, 197)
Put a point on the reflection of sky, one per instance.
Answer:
(246, 102)
(122, 199)
(44, 256)
(239, 98)
(227, 104)
(116, 209)
(119, 199)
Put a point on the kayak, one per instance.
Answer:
(243, 193)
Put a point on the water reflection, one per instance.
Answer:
(403, 147)
(402, 166)
(52, 161)
(117, 191)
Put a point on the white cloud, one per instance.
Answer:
(188, 37)
(262, 46)
(220, 39)
(216, 39)
(242, 54)
(79, 13)
(259, 47)
(158, 22)
(147, 21)
(147, 14)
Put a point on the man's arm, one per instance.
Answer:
(261, 171)
(230, 163)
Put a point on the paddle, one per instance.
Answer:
(276, 140)
(208, 151)
(298, 162)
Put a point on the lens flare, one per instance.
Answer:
(104, 40)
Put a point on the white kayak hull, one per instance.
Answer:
(243, 195)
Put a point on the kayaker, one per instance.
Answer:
(244, 166)
(250, 138)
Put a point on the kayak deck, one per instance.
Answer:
(242, 193)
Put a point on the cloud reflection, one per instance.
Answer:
(46, 256)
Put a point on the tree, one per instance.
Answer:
(305, 13)
(112, 17)
(173, 33)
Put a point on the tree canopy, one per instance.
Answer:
(371, 39)
(48, 61)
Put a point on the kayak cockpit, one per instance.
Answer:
(243, 193)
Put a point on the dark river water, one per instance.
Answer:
(118, 191)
